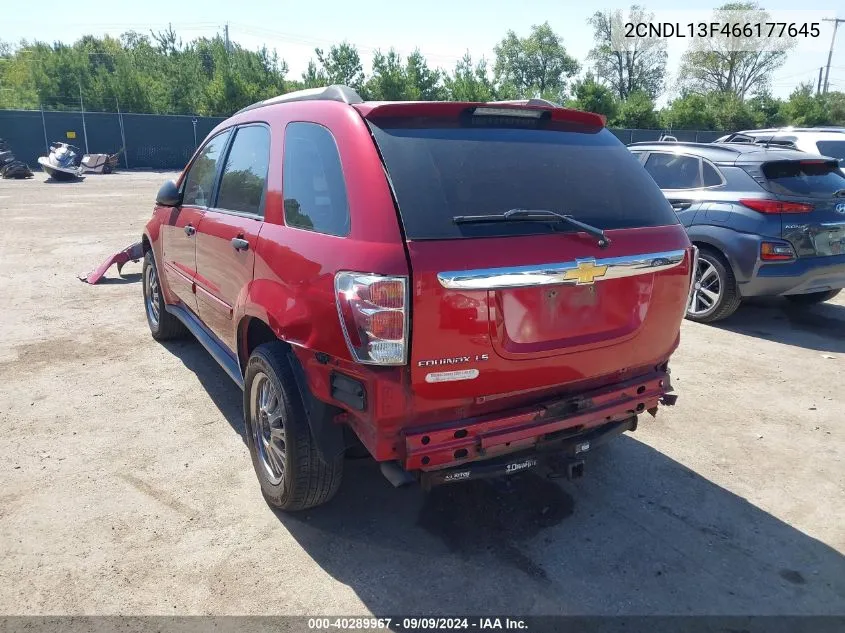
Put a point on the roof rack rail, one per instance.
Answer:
(335, 92)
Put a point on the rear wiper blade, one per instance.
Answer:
(535, 215)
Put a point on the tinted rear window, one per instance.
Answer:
(834, 149)
(804, 178)
(442, 170)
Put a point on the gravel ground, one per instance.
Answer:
(126, 485)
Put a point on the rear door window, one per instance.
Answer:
(200, 179)
(245, 172)
(442, 169)
(711, 176)
(313, 185)
(674, 171)
(818, 179)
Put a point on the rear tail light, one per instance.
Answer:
(775, 206)
(373, 312)
(776, 251)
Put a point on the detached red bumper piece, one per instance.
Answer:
(131, 253)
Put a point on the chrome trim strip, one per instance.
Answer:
(577, 272)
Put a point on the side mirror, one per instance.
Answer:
(169, 195)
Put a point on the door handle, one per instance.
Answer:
(240, 244)
(189, 230)
(680, 206)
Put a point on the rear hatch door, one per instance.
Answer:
(506, 307)
(813, 191)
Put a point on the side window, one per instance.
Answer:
(674, 171)
(313, 185)
(245, 171)
(200, 179)
(711, 176)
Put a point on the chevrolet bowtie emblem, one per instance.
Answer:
(585, 273)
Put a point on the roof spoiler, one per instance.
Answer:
(453, 109)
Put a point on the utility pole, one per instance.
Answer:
(819, 86)
(226, 38)
(836, 22)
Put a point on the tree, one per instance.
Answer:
(627, 64)
(720, 63)
(341, 65)
(594, 97)
(637, 111)
(388, 81)
(688, 112)
(730, 113)
(804, 108)
(424, 84)
(470, 82)
(534, 66)
(766, 110)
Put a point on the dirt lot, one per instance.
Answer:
(127, 488)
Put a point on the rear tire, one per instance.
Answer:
(290, 469)
(716, 283)
(813, 298)
(163, 325)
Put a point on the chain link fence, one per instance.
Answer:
(158, 141)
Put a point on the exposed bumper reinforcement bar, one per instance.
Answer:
(522, 430)
(557, 458)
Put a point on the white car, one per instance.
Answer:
(827, 141)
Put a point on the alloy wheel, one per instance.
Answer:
(151, 296)
(268, 428)
(707, 289)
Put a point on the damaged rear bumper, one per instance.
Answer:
(557, 426)
(563, 458)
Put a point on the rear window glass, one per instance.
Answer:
(442, 170)
(674, 171)
(312, 181)
(804, 178)
(834, 149)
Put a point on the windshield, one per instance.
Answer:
(804, 178)
(441, 170)
(834, 149)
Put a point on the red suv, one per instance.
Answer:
(471, 289)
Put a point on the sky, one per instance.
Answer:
(442, 30)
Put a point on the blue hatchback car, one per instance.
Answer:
(767, 220)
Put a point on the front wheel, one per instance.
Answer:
(714, 293)
(290, 469)
(812, 298)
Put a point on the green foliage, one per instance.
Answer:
(767, 111)
(159, 73)
(637, 111)
(138, 73)
(470, 82)
(594, 97)
(341, 65)
(805, 108)
(534, 66)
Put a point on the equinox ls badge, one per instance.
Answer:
(585, 273)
